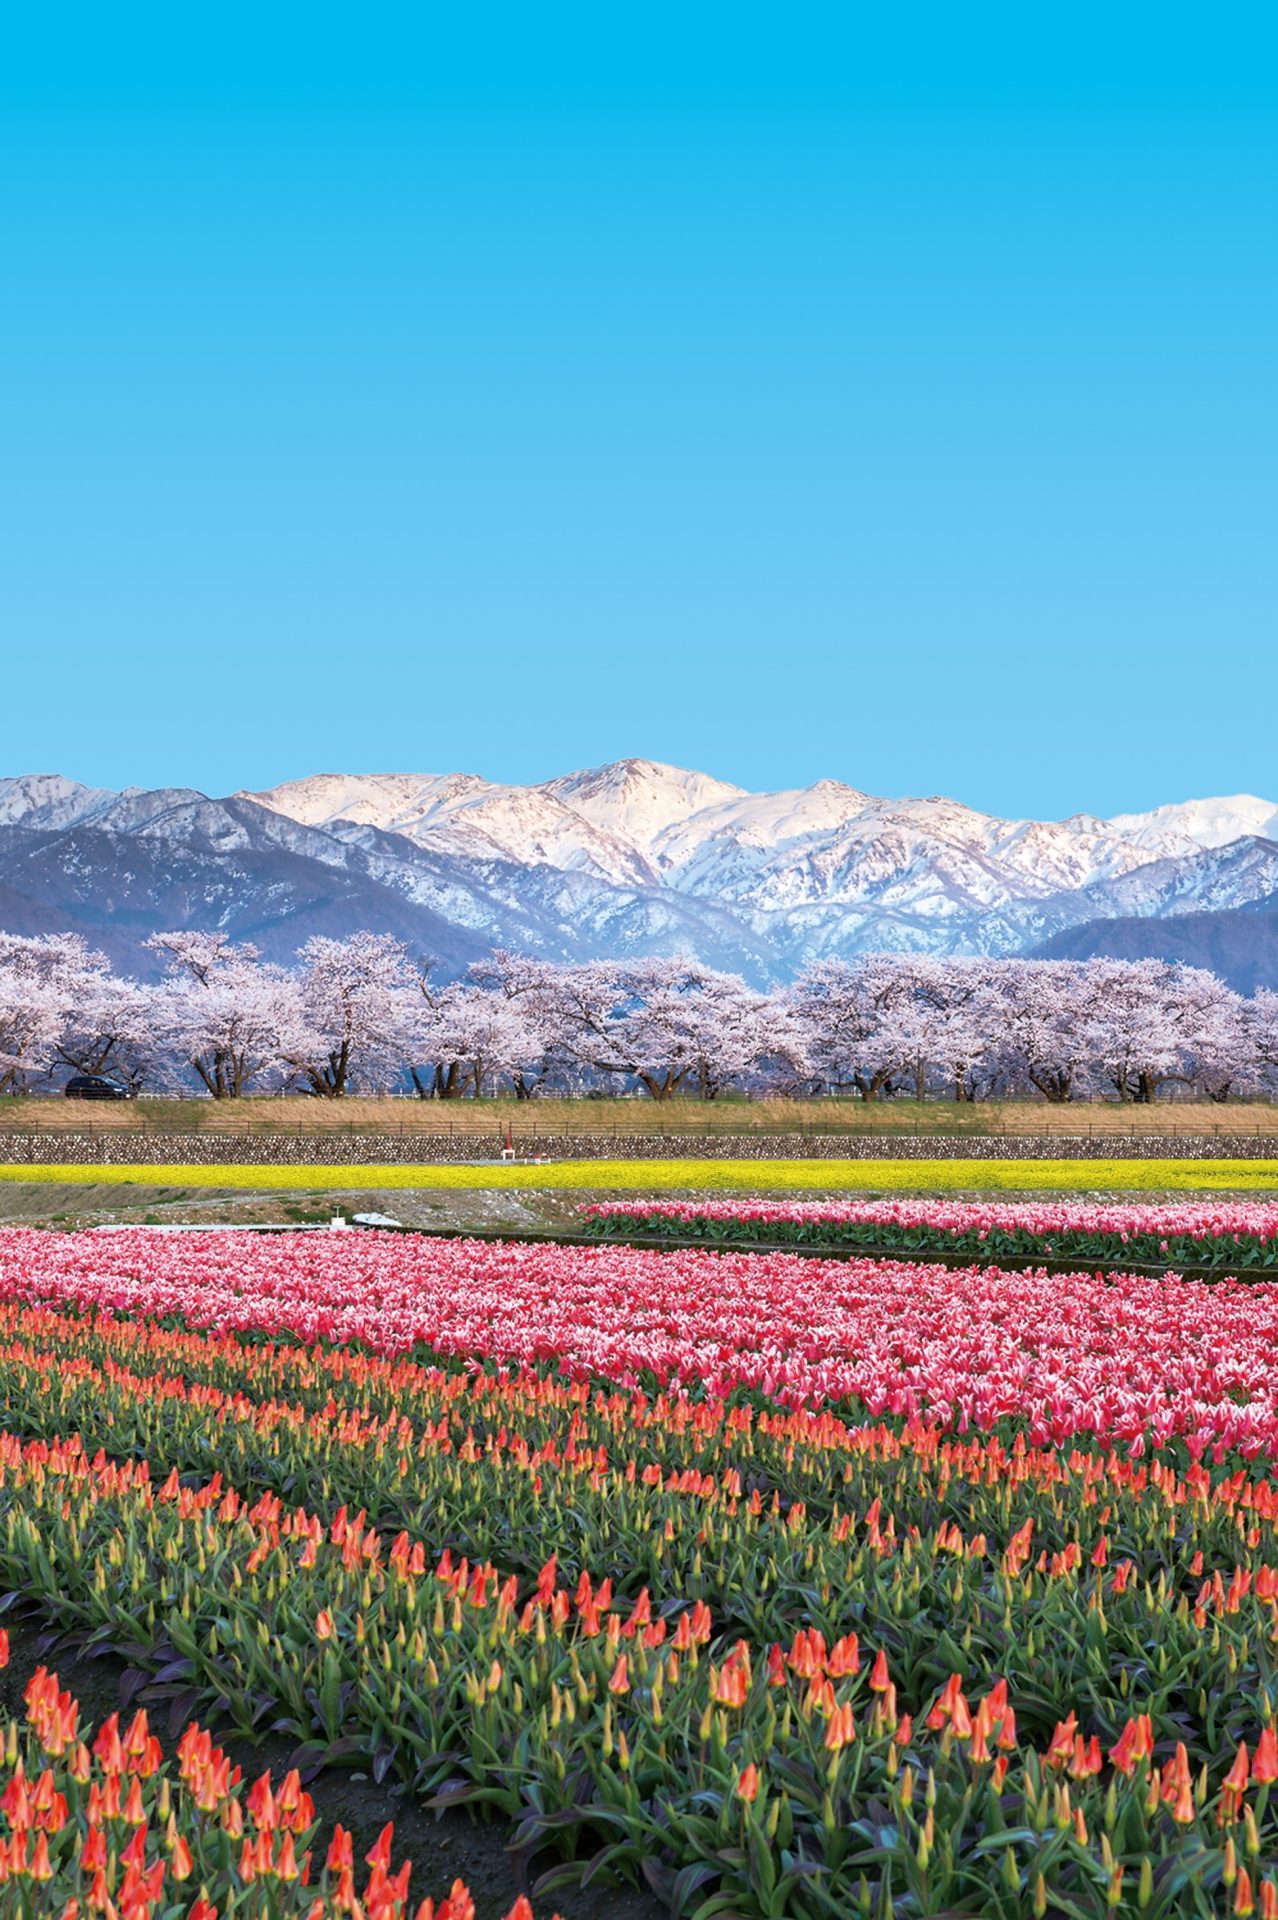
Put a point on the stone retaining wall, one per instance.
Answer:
(417, 1149)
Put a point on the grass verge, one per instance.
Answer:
(628, 1117)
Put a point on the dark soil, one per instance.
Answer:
(443, 1847)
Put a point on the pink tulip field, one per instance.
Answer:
(1239, 1236)
(1130, 1360)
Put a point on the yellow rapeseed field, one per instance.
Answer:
(664, 1176)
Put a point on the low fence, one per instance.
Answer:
(444, 1149)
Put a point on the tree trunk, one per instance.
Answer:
(446, 1079)
(341, 1069)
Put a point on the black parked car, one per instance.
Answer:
(95, 1086)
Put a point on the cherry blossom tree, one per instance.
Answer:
(436, 1056)
(360, 1013)
(849, 1015)
(1207, 1020)
(1041, 1009)
(1129, 1034)
(110, 1029)
(1221, 1052)
(41, 981)
(1261, 1020)
(357, 998)
(220, 1010)
(946, 1027)
(463, 1038)
(731, 1033)
(1150, 1023)
(492, 1037)
(662, 1023)
(528, 988)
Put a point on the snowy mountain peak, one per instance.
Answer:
(639, 799)
(391, 801)
(462, 813)
(49, 800)
(825, 847)
(1207, 823)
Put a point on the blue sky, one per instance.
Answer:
(883, 394)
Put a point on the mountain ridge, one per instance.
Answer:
(628, 858)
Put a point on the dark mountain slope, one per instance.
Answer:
(116, 889)
(1238, 943)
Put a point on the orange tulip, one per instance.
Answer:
(1264, 1765)
(841, 1731)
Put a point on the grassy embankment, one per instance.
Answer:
(629, 1117)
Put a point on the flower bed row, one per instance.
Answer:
(1137, 1173)
(960, 1676)
(1237, 1237)
(1133, 1360)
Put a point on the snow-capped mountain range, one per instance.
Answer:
(624, 859)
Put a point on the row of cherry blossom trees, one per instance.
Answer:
(361, 1015)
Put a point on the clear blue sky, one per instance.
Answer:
(880, 393)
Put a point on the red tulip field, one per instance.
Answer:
(780, 1586)
(132, 1835)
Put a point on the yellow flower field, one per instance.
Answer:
(665, 1176)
